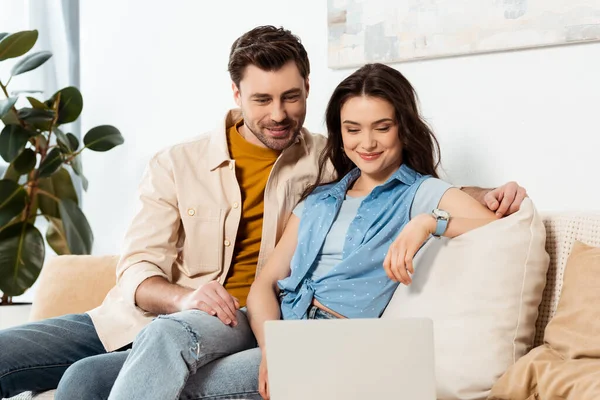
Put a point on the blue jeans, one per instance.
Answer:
(65, 352)
(169, 356)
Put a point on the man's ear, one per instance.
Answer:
(307, 86)
(237, 96)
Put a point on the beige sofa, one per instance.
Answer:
(72, 284)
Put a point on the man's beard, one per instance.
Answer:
(274, 143)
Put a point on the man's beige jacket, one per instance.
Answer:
(186, 228)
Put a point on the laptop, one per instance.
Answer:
(351, 359)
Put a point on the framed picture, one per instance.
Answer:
(362, 31)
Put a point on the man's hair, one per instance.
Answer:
(269, 48)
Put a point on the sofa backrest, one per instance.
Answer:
(78, 283)
(562, 230)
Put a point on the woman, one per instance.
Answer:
(340, 255)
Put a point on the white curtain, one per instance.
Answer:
(58, 24)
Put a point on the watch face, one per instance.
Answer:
(441, 214)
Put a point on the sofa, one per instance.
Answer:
(73, 284)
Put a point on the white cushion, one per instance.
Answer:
(482, 291)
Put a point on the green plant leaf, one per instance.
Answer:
(13, 139)
(6, 105)
(74, 142)
(71, 104)
(3, 35)
(17, 44)
(10, 118)
(35, 114)
(13, 199)
(62, 141)
(35, 103)
(78, 230)
(78, 169)
(11, 174)
(57, 237)
(30, 62)
(22, 253)
(59, 185)
(25, 161)
(50, 163)
(41, 119)
(103, 138)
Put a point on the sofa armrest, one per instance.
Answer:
(73, 284)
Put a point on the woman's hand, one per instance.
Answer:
(398, 261)
(263, 378)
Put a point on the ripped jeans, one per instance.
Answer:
(174, 347)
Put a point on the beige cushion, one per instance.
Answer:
(562, 230)
(482, 290)
(73, 284)
(567, 365)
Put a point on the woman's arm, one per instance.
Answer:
(466, 214)
(263, 304)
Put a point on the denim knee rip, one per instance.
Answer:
(195, 344)
(195, 341)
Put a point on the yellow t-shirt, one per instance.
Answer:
(252, 167)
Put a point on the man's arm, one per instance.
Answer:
(144, 271)
(504, 200)
(159, 296)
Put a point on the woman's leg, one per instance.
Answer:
(91, 378)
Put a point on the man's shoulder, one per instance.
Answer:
(315, 141)
(193, 147)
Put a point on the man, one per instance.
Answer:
(212, 211)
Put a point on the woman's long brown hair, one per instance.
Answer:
(420, 148)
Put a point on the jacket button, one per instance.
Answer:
(236, 204)
(191, 212)
(227, 243)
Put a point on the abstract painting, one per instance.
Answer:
(388, 31)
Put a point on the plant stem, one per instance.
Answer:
(6, 299)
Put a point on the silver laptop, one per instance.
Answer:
(351, 359)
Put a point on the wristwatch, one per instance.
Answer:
(442, 218)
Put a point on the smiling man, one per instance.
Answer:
(212, 210)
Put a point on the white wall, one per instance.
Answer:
(158, 71)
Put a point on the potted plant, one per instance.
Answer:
(38, 183)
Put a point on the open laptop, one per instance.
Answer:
(351, 359)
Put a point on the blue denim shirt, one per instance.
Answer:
(358, 286)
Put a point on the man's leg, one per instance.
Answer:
(173, 347)
(33, 357)
(231, 377)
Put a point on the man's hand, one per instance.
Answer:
(263, 378)
(506, 199)
(213, 299)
